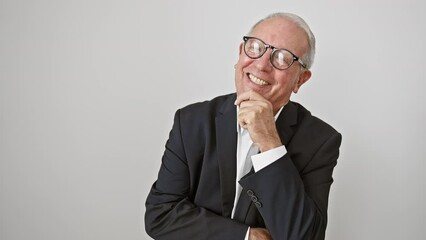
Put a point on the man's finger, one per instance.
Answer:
(249, 95)
(254, 104)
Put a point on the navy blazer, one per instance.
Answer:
(194, 194)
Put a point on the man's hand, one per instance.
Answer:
(259, 234)
(257, 116)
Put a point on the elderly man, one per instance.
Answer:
(250, 165)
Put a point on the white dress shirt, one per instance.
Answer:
(248, 156)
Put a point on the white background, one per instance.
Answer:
(88, 90)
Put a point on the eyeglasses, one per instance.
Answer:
(280, 58)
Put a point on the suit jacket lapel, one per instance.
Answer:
(286, 119)
(226, 138)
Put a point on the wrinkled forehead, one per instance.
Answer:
(282, 32)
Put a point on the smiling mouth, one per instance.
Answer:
(257, 80)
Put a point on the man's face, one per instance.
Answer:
(260, 76)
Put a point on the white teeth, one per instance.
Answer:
(256, 80)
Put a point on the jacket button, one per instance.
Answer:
(254, 198)
(258, 204)
(250, 193)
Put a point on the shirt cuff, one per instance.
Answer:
(264, 159)
(247, 234)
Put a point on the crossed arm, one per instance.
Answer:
(294, 200)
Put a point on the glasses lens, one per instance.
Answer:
(282, 59)
(254, 48)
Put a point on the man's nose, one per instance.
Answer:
(263, 63)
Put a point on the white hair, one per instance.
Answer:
(308, 57)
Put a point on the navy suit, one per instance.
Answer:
(194, 194)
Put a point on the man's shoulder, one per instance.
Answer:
(200, 118)
(218, 104)
(307, 120)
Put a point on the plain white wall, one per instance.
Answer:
(88, 90)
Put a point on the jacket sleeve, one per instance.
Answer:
(293, 202)
(170, 213)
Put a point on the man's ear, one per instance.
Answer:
(241, 48)
(304, 77)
